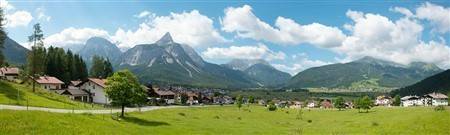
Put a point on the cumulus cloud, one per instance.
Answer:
(41, 14)
(301, 62)
(394, 40)
(191, 28)
(260, 51)
(70, 36)
(18, 18)
(436, 14)
(286, 31)
(5, 5)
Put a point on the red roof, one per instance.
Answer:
(48, 80)
(9, 70)
(98, 81)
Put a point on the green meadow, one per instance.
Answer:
(19, 94)
(230, 120)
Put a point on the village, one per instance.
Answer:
(92, 91)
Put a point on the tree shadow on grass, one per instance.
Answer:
(143, 122)
(11, 92)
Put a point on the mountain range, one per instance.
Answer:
(166, 62)
(363, 73)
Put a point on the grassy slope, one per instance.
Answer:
(40, 98)
(225, 120)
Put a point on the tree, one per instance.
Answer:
(339, 103)
(2, 35)
(36, 57)
(101, 67)
(239, 101)
(123, 89)
(396, 101)
(183, 98)
(251, 100)
(364, 103)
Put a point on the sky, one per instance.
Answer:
(291, 35)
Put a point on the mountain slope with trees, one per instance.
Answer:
(436, 83)
(364, 71)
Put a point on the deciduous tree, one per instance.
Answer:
(123, 89)
(339, 103)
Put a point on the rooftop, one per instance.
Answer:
(48, 80)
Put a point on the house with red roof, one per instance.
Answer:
(9, 73)
(49, 82)
(96, 89)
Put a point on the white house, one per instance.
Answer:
(9, 73)
(411, 101)
(435, 99)
(95, 87)
(75, 94)
(383, 101)
(49, 82)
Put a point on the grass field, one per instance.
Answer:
(230, 120)
(18, 94)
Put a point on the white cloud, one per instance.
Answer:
(243, 52)
(144, 14)
(5, 5)
(18, 18)
(41, 14)
(436, 14)
(242, 21)
(300, 63)
(399, 41)
(403, 11)
(70, 36)
(191, 28)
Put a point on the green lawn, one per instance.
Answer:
(229, 120)
(41, 98)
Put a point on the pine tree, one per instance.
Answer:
(36, 57)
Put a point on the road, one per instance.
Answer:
(93, 111)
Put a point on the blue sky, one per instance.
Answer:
(291, 35)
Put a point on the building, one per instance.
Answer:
(312, 104)
(411, 101)
(75, 94)
(435, 99)
(296, 105)
(49, 82)
(166, 95)
(9, 73)
(95, 87)
(74, 84)
(383, 101)
(326, 104)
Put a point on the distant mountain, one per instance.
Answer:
(100, 47)
(73, 47)
(436, 83)
(243, 64)
(267, 75)
(14, 52)
(260, 71)
(363, 73)
(168, 62)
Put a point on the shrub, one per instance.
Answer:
(272, 106)
(439, 108)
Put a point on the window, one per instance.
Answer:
(93, 87)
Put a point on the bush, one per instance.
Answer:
(272, 106)
(439, 108)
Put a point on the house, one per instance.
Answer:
(312, 104)
(74, 84)
(326, 104)
(166, 95)
(49, 82)
(95, 87)
(435, 99)
(348, 105)
(262, 102)
(383, 101)
(192, 98)
(9, 73)
(296, 105)
(410, 101)
(75, 94)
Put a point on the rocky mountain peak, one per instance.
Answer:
(166, 39)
